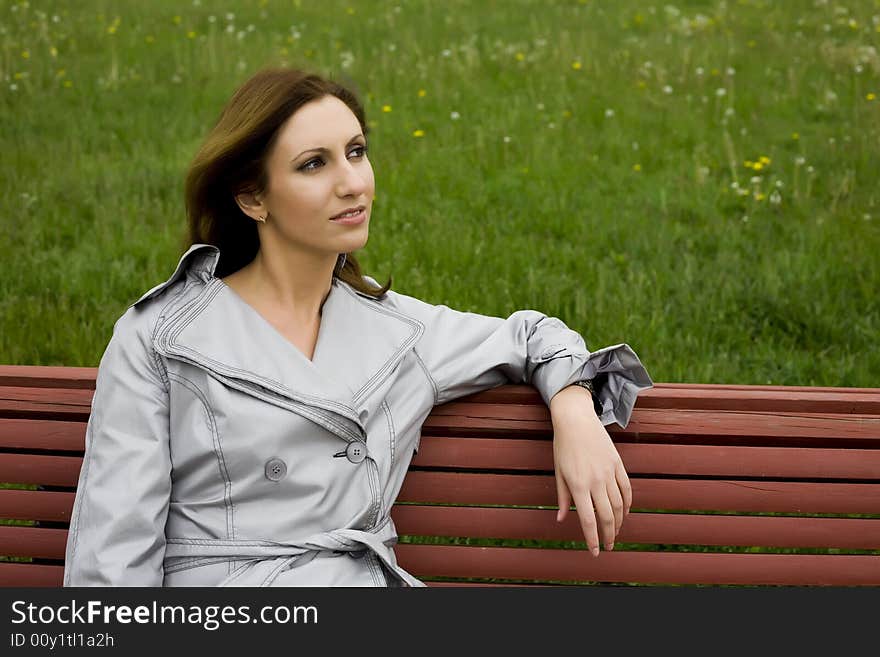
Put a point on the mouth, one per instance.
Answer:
(351, 216)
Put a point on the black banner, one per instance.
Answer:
(138, 621)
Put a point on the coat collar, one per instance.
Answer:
(360, 343)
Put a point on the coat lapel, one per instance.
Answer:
(360, 342)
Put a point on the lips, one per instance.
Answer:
(352, 211)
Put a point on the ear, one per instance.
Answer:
(251, 205)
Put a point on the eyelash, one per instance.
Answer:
(306, 167)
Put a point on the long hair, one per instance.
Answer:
(232, 160)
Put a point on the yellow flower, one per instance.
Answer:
(759, 196)
(751, 43)
(283, 51)
(177, 20)
(576, 65)
(18, 76)
(715, 71)
(150, 38)
(60, 73)
(111, 29)
(566, 114)
(637, 167)
(349, 11)
(764, 159)
(26, 54)
(418, 133)
(68, 83)
(520, 57)
(641, 84)
(757, 166)
(524, 170)
(871, 96)
(795, 136)
(191, 34)
(422, 93)
(749, 164)
(386, 108)
(53, 51)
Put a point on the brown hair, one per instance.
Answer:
(232, 160)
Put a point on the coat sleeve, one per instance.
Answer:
(465, 353)
(117, 529)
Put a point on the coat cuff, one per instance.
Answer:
(618, 376)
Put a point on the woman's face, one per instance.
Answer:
(307, 185)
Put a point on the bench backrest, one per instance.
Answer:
(732, 484)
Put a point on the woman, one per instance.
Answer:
(255, 414)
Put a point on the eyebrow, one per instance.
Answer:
(321, 149)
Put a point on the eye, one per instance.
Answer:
(307, 166)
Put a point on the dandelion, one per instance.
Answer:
(755, 180)
(25, 54)
(212, 18)
(748, 164)
(637, 167)
(391, 46)
(422, 93)
(520, 57)
(506, 139)
(176, 20)
(799, 160)
(551, 125)
(60, 73)
(775, 198)
(230, 16)
(349, 11)
(540, 107)
(20, 75)
(795, 136)
(576, 65)
(720, 92)
(191, 34)
(418, 133)
(54, 52)
(635, 145)
(446, 52)
(566, 114)
(764, 160)
(609, 113)
(699, 71)
(149, 38)
(731, 70)
(810, 169)
(13, 87)
(68, 84)
(870, 96)
(667, 89)
(757, 166)
(759, 196)
(386, 108)
(455, 116)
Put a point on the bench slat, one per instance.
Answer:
(31, 575)
(651, 528)
(48, 376)
(42, 435)
(43, 470)
(711, 460)
(647, 567)
(48, 506)
(671, 494)
(36, 542)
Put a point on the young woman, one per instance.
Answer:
(255, 414)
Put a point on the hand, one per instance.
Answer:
(588, 469)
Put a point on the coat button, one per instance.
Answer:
(275, 469)
(356, 451)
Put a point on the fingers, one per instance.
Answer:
(563, 498)
(616, 500)
(605, 518)
(624, 485)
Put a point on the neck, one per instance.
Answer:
(298, 283)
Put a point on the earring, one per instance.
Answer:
(262, 220)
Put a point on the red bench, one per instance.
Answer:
(732, 484)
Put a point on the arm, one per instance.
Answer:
(466, 352)
(117, 529)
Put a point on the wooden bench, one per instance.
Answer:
(732, 484)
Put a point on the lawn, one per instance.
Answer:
(698, 180)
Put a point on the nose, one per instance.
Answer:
(352, 179)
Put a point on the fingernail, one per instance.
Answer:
(595, 551)
(609, 546)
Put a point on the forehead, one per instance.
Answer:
(325, 122)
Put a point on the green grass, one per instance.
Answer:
(591, 173)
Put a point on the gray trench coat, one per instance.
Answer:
(217, 454)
